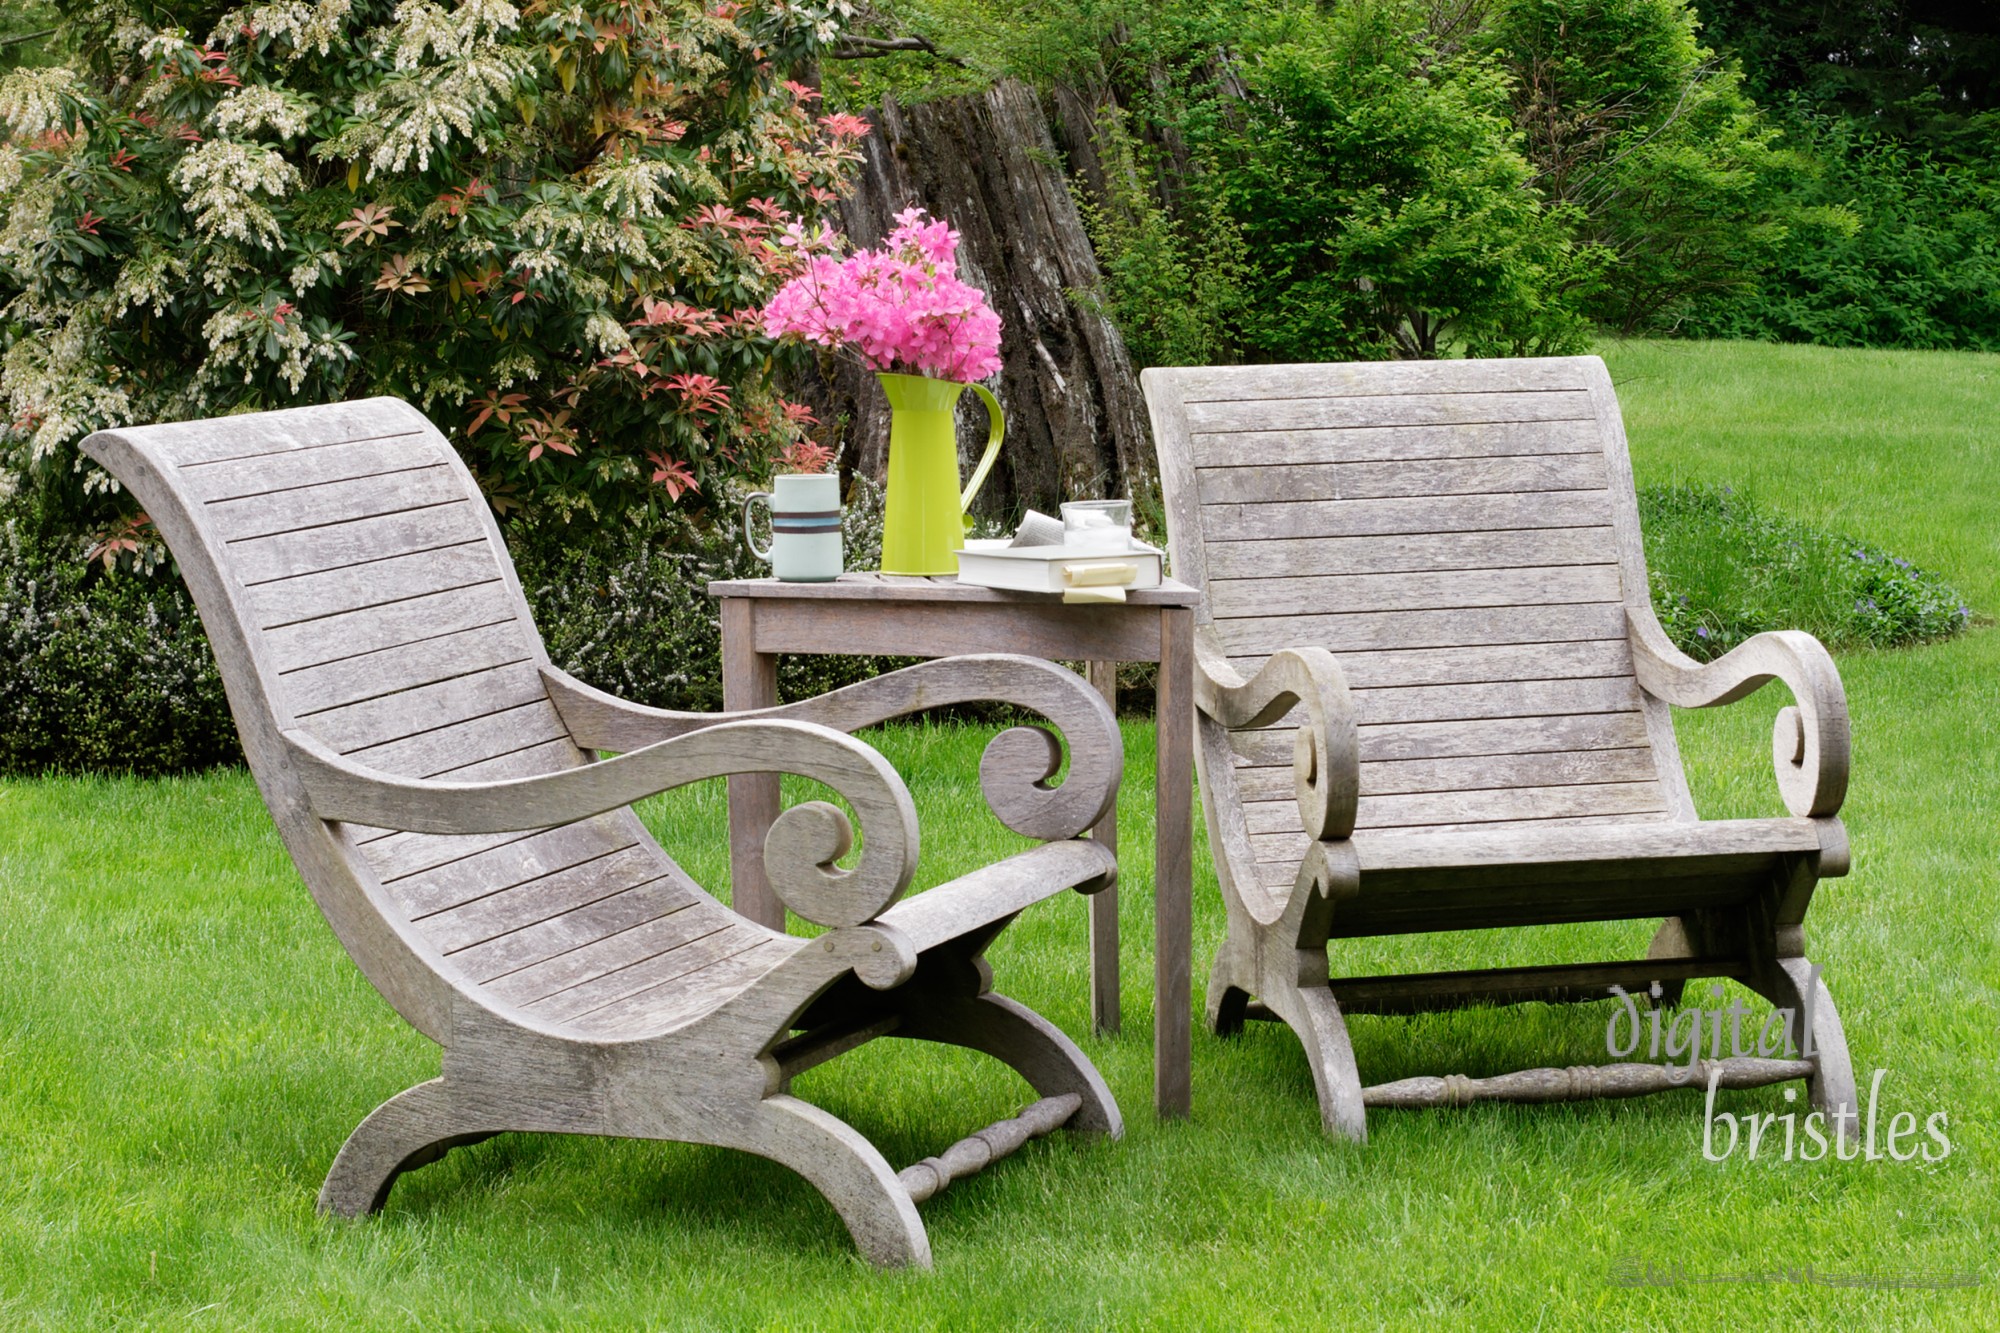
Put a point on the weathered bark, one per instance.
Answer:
(989, 165)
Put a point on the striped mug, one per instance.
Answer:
(805, 527)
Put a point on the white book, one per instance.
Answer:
(1057, 569)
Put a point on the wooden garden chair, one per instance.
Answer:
(1433, 696)
(436, 781)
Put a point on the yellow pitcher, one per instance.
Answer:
(925, 519)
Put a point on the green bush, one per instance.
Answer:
(1384, 203)
(101, 671)
(1667, 170)
(1723, 569)
(1892, 247)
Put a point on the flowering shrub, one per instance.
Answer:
(553, 226)
(1723, 569)
(902, 307)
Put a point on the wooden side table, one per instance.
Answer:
(908, 616)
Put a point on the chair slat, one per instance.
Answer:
(1445, 628)
(1414, 409)
(648, 974)
(335, 592)
(1520, 474)
(268, 474)
(1339, 594)
(389, 671)
(621, 932)
(1406, 514)
(691, 996)
(429, 708)
(1411, 553)
(334, 502)
(1284, 448)
(358, 541)
(1466, 772)
(1440, 740)
(302, 644)
(1474, 665)
(453, 748)
(542, 897)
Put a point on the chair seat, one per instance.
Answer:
(1414, 882)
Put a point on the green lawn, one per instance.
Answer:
(183, 1046)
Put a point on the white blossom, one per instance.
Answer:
(255, 107)
(220, 181)
(327, 263)
(423, 26)
(31, 99)
(308, 27)
(411, 114)
(632, 187)
(606, 334)
(149, 279)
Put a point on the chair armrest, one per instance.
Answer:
(1810, 740)
(1326, 756)
(1013, 772)
(799, 853)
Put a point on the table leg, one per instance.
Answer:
(1104, 1016)
(1173, 867)
(749, 680)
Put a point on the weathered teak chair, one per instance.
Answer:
(1433, 696)
(434, 778)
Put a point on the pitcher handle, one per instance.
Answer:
(999, 431)
(750, 537)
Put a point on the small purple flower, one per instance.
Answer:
(1701, 631)
(1902, 563)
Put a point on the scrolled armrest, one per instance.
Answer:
(1810, 740)
(1014, 770)
(799, 853)
(1326, 756)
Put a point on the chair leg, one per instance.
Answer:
(1228, 991)
(846, 1168)
(1670, 941)
(1313, 1013)
(1789, 983)
(1017, 1036)
(412, 1129)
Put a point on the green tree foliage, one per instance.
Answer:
(1669, 166)
(549, 226)
(1927, 71)
(1386, 209)
(1892, 247)
(1176, 290)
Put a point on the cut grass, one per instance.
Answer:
(183, 1046)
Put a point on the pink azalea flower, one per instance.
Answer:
(901, 307)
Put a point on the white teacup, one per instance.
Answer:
(805, 527)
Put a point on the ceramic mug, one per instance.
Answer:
(805, 527)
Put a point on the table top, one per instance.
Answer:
(934, 588)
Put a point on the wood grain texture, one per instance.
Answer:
(1401, 515)
(1105, 1018)
(1358, 444)
(490, 879)
(1458, 542)
(1427, 477)
(1173, 868)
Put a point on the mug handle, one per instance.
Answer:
(999, 431)
(763, 553)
